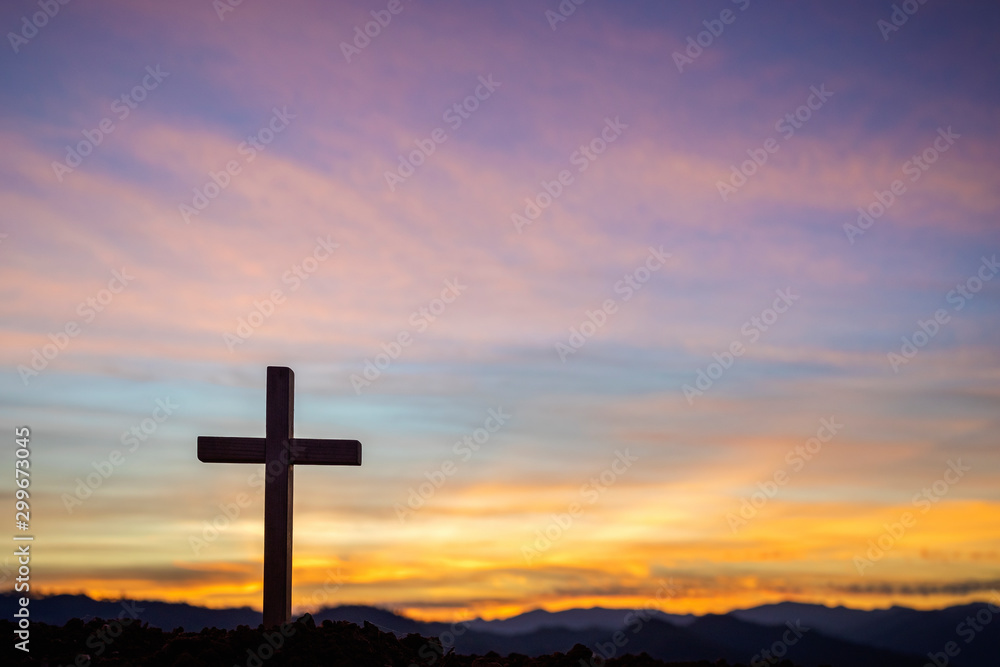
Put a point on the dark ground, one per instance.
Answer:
(341, 644)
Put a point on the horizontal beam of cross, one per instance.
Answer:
(306, 451)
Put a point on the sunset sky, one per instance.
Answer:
(582, 284)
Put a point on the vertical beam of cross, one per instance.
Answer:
(279, 451)
(278, 482)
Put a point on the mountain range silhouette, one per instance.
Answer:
(836, 636)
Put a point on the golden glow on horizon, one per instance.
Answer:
(789, 558)
(249, 596)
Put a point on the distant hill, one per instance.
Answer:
(382, 618)
(840, 637)
(570, 619)
(57, 609)
(899, 628)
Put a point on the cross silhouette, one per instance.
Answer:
(279, 451)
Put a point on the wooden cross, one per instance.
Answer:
(279, 451)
